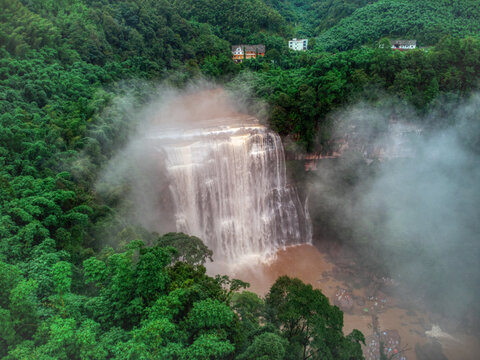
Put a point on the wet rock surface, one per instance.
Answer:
(387, 341)
(397, 312)
(344, 300)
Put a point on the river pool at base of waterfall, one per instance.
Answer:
(307, 263)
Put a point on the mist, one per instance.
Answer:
(406, 198)
(198, 163)
(132, 181)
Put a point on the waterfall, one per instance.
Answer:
(229, 187)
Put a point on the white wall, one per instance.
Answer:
(301, 44)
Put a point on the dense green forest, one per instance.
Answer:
(309, 17)
(304, 88)
(63, 294)
(426, 21)
(342, 25)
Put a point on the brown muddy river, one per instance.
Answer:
(400, 328)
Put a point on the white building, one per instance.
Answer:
(403, 44)
(298, 44)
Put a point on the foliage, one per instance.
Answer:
(425, 21)
(267, 346)
(63, 65)
(233, 20)
(311, 325)
(303, 89)
(190, 249)
(310, 17)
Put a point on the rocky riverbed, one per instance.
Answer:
(372, 306)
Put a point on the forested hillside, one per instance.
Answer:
(63, 64)
(62, 295)
(309, 17)
(342, 25)
(235, 20)
(304, 89)
(426, 21)
(101, 32)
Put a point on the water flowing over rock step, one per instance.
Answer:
(229, 187)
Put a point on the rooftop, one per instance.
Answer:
(260, 48)
(399, 42)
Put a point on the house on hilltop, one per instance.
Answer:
(298, 44)
(403, 44)
(240, 52)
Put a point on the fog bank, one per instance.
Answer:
(409, 199)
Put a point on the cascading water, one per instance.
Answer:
(229, 187)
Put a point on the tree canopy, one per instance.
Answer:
(78, 279)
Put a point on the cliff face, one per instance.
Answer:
(229, 187)
(394, 141)
(391, 141)
(209, 170)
